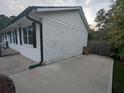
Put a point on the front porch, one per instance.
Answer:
(8, 52)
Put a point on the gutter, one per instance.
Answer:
(41, 38)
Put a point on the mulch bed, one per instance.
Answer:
(6, 85)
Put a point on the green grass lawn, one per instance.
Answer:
(118, 78)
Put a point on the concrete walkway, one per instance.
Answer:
(14, 63)
(81, 74)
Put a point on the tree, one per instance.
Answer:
(111, 25)
(116, 25)
(100, 18)
(4, 20)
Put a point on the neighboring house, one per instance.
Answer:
(48, 33)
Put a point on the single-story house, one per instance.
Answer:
(48, 33)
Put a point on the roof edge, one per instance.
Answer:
(18, 17)
(30, 8)
(84, 18)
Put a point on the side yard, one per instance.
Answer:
(118, 77)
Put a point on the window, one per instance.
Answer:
(10, 37)
(25, 35)
(13, 33)
(28, 35)
(20, 35)
(16, 37)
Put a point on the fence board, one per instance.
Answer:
(99, 48)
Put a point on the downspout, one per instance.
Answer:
(41, 39)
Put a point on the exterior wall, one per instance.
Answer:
(26, 49)
(64, 35)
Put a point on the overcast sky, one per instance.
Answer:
(90, 7)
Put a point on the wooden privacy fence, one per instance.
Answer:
(99, 48)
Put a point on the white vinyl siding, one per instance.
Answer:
(64, 35)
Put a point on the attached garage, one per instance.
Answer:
(48, 34)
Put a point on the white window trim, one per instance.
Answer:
(26, 45)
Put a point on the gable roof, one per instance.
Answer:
(48, 9)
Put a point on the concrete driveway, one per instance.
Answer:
(14, 63)
(81, 74)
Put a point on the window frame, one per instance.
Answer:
(10, 33)
(27, 43)
(16, 37)
(13, 36)
(20, 35)
(30, 35)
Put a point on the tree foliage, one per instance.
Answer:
(116, 26)
(111, 25)
(4, 20)
(100, 18)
